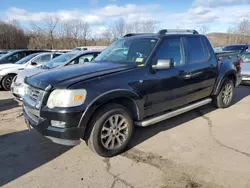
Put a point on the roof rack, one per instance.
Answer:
(135, 34)
(165, 31)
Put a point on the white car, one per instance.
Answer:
(10, 70)
(71, 58)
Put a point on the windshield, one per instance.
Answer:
(59, 61)
(235, 48)
(127, 50)
(26, 59)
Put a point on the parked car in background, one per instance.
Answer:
(237, 47)
(218, 48)
(2, 52)
(138, 80)
(15, 55)
(82, 48)
(10, 70)
(246, 57)
(246, 69)
(71, 58)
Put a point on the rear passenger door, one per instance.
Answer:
(200, 71)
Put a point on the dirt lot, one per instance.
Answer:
(203, 148)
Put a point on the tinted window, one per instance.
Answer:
(16, 56)
(196, 50)
(170, 49)
(241, 48)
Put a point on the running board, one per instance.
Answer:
(168, 115)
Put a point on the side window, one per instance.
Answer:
(75, 61)
(55, 55)
(17, 56)
(170, 49)
(197, 51)
(43, 59)
(86, 58)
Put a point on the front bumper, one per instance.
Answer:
(40, 120)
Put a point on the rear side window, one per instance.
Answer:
(197, 51)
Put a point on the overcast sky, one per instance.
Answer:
(217, 14)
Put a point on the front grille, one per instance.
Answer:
(34, 94)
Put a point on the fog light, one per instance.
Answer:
(59, 124)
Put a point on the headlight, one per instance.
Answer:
(66, 98)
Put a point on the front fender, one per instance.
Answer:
(111, 95)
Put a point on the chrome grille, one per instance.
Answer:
(34, 94)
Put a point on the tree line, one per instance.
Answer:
(53, 33)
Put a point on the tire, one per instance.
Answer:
(7, 81)
(102, 137)
(225, 97)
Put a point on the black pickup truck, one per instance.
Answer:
(139, 80)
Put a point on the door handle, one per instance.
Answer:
(185, 75)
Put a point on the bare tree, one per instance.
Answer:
(12, 36)
(204, 29)
(119, 28)
(48, 27)
(230, 37)
(149, 26)
(242, 31)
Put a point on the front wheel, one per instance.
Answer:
(7, 81)
(110, 130)
(225, 98)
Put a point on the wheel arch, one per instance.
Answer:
(9, 74)
(127, 98)
(231, 75)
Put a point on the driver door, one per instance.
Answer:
(166, 91)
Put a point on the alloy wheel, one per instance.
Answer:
(227, 93)
(114, 132)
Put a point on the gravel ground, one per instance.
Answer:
(207, 147)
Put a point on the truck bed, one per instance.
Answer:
(230, 57)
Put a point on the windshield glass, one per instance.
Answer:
(26, 59)
(127, 50)
(59, 61)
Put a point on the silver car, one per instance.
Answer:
(71, 58)
(245, 72)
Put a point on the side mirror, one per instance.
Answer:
(163, 64)
(33, 63)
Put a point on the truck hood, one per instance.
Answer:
(10, 65)
(245, 68)
(28, 72)
(69, 75)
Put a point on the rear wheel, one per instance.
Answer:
(225, 98)
(7, 81)
(110, 130)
